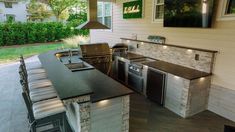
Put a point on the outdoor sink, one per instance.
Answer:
(79, 66)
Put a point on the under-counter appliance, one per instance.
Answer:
(136, 73)
(122, 62)
(135, 79)
(155, 88)
(122, 71)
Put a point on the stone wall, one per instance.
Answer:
(103, 116)
(78, 113)
(110, 115)
(125, 113)
(198, 95)
(185, 97)
(176, 94)
(175, 55)
(85, 117)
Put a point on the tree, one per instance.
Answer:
(78, 14)
(38, 11)
(59, 7)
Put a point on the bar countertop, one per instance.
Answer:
(70, 84)
(130, 56)
(177, 70)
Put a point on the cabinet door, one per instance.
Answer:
(121, 71)
(155, 86)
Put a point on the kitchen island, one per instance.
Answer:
(94, 101)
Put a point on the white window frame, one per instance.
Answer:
(154, 20)
(103, 16)
(8, 6)
(222, 12)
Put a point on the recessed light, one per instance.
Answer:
(189, 51)
(103, 102)
(176, 77)
(202, 78)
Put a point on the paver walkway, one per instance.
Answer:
(13, 113)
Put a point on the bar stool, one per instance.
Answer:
(35, 70)
(40, 94)
(43, 113)
(33, 74)
(34, 65)
(35, 81)
(37, 92)
(38, 89)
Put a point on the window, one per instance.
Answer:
(158, 10)
(105, 13)
(227, 10)
(230, 7)
(10, 17)
(8, 4)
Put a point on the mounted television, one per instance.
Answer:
(188, 13)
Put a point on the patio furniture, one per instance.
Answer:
(34, 81)
(44, 113)
(32, 70)
(33, 77)
(38, 91)
(33, 65)
(35, 73)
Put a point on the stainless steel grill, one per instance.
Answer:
(98, 55)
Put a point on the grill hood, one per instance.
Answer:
(92, 22)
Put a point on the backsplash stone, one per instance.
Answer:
(175, 55)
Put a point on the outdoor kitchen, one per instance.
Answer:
(147, 66)
(92, 103)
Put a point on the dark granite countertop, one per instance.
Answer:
(177, 70)
(70, 84)
(130, 56)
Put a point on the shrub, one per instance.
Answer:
(30, 32)
(22, 33)
(8, 34)
(1, 35)
(18, 33)
(40, 32)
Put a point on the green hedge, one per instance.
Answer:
(24, 33)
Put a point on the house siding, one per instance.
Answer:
(220, 37)
(18, 9)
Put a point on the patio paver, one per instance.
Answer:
(13, 113)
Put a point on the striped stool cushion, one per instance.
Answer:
(47, 108)
(42, 94)
(36, 71)
(33, 65)
(39, 84)
(35, 77)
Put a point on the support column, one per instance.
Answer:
(125, 113)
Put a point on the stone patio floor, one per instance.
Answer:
(13, 113)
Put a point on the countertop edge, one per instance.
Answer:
(192, 78)
(95, 101)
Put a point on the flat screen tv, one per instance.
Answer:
(188, 13)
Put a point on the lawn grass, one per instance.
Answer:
(8, 54)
